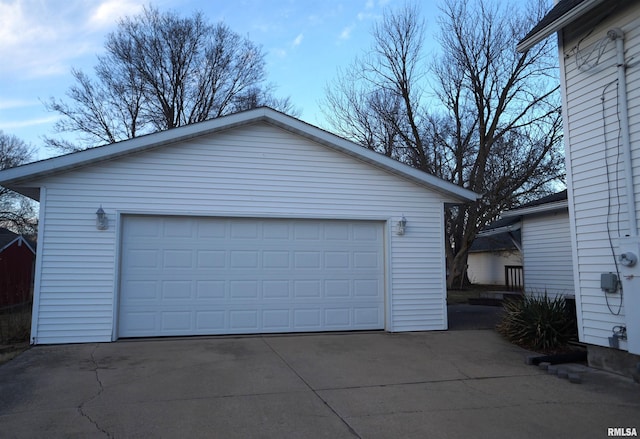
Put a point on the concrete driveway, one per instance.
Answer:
(457, 384)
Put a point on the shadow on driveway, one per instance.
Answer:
(464, 316)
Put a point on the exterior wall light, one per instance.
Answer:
(102, 221)
(402, 225)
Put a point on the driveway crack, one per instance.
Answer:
(81, 410)
(324, 401)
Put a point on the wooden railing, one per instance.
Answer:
(514, 277)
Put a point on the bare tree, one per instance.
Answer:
(479, 115)
(16, 211)
(162, 71)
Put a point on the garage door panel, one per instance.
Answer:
(176, 321)
(238, 320)
(211, 259)
(210, 322)
(276, 289)
(365, 232)
(366, 316)
(243, 321)
(337, 288)
(244, 230)
(210, 289)
(366, 288)
(219, 276)
(243, 289)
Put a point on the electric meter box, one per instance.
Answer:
(609, 282)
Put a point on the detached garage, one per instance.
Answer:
(251, 223)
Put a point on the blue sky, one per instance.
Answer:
(306, 41)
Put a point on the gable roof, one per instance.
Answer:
(509, 225)
(563, 13)
(8, 238)
(500, 239)
(21, 178)
(550, 203)
(502, 234)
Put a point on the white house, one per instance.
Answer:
(250, 223)
(599, 42)
(494, 256)
(546, 245)
(534, 238)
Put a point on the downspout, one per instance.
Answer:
(629, 246)
(617, 35)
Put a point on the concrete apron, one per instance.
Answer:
(355, 385)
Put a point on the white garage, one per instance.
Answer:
(254, 222)
(194, 275)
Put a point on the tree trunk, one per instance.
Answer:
(457, 277)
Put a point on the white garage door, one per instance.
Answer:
(193, 275)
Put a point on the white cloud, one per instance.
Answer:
(110, 11)
(346, 32)
(13, 125)
(45, 38)
(280, 53)
(9, 104)
(298, 40)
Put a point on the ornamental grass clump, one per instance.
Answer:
(539, 323)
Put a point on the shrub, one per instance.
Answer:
(539, 323)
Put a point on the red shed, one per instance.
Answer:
(17, 256)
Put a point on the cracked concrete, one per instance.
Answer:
(354, 385)
(97, 395)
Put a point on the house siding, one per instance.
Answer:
(258, 170)
(597, 203)
(487, 268)
(546, 244)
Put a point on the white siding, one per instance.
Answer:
(253, 171)
(546, 247)
(597, 201)
(487, 268)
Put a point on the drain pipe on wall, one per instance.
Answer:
(618, 36)
(629, 245)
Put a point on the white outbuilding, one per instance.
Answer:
(255, 222)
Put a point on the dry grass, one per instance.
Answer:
(15, 325)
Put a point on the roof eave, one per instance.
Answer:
(40, 169)
(541, 208)
(506, 229)
(18, 178)
(19, 239)
(557, 24)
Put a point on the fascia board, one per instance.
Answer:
(55, 165)
(18, 239)
(18, 177)
(499, 230)
(557, 24)
(542, 208)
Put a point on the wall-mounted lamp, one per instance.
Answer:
(402, 225)
(102, 221)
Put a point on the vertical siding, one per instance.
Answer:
(546, 244)
(255, 171)
(594, 161)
